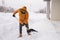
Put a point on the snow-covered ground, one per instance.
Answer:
(47, 30)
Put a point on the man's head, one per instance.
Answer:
(23, 9)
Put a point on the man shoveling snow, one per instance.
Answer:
(23, 20)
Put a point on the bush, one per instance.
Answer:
(6, 9)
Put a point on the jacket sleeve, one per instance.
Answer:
(27, 16)
(16, 11)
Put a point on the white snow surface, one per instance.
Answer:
(47, 30)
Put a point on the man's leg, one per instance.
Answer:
(27, 29)
(20, 30)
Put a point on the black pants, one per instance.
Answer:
(20, 27)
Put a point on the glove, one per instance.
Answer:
(13, 15)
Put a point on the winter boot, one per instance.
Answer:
(28, 32)
(20, 35)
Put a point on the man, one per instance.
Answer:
(23, 19)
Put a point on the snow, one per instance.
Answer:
(47, 30)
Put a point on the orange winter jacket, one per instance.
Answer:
(23, 15)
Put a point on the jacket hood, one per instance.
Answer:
(24, 8)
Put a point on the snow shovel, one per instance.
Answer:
(31, 30)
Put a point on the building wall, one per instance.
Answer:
(55, 10)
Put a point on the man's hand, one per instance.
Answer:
(13, 15)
